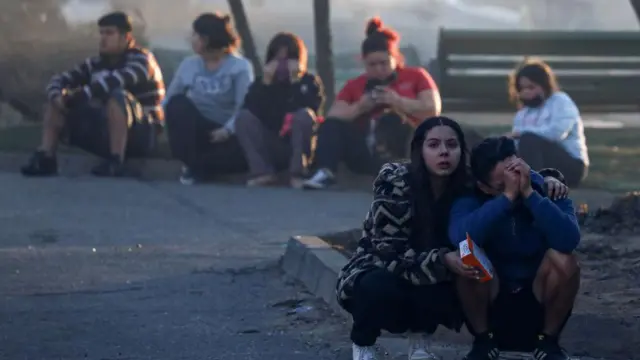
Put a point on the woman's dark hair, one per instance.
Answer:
(217, 30)
(296, 49)
(381, 38)
(430, 215)
(487, 154)
(537, 71)
(117, 19)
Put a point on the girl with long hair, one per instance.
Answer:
(276, 123)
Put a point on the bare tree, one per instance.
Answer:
(244, 30)
(635, 4)
(324, 49)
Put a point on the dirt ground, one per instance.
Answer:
(606, 320)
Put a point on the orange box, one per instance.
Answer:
(473, 255)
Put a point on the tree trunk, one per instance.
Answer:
(324, 51)
(244, 30)
(635, 4)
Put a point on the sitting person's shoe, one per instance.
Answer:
(186, 176)
(322, 179)
(548, 348)
(262, 180)
(296, 182)
(363, 352)
(109, 167)
(40, 164)
(419, 347)
(483, 348)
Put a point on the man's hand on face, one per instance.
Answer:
(511, 184)
(524, 171)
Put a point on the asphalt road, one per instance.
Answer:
(122, 269)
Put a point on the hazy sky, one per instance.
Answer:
(417, 20)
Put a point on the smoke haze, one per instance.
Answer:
(168, 21)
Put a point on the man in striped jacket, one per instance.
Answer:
(109, 105)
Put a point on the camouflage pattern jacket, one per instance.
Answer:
(385, 238)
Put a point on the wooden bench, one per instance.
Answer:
(599, 70)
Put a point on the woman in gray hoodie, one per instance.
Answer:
(203, 99)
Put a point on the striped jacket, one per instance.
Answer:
(137, 72)
(385, 238)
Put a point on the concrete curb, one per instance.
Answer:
(316, 264)
(73, 165)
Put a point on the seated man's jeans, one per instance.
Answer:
(87, 127)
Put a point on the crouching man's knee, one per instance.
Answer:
(566, 266)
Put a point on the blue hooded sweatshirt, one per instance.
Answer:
(516, 236)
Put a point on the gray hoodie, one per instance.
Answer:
(217, 94)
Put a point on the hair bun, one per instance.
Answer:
(227, 18)
(373, 26)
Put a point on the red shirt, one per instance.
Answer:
(409, 82)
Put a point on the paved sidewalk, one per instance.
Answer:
(122, 269)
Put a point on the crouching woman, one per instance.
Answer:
(399, 280)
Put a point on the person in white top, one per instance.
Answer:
(548, 126)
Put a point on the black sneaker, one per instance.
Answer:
(548, 348)
(483, 348)
(322, 179)
(40, 164)
(110, 167)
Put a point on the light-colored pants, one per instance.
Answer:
(266, 151)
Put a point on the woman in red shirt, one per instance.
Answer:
(374, 114)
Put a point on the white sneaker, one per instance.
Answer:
(363, 352)
(262, 180)
(419, 347)
(322, 179)
(186, 176)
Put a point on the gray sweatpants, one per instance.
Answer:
(266, 152)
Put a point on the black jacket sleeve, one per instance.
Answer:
(256, 96)
(312, 93)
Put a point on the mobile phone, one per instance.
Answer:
(376, 92)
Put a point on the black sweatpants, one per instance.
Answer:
(542, 153)
(384, 301)
(189, 134)
(516, 317)
(340, 140)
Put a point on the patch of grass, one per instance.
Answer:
(614, 153)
